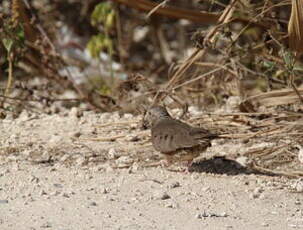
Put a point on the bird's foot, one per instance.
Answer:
(186, 168)
(165, 163)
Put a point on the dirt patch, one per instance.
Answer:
(83, 170)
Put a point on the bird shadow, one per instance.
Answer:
(221, 165)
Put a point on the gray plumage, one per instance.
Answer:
(170, 136)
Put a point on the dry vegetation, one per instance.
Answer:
(179, 53)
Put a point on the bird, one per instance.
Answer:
(176, 140)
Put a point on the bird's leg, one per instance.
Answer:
(186, 166)
(187, 162)
(167, 161)
(189, 165)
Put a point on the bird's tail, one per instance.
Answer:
(201, 133)
(212, 136)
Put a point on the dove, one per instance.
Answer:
(176, 140)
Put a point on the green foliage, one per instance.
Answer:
(103, 18)
(98, 43)
(288, 59)
(103, 14)
(12, 37)
(269, 65)
(8, 44)
(101, 85)
(12, 42)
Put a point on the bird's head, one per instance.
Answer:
(153, 115)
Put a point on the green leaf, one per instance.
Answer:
(8, 44)
(269, 64)
(98, 43)
(20, 33)
(103, 13)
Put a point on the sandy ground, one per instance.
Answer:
(75, 171)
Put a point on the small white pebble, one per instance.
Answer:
(112, 154)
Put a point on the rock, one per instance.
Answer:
(55, 193)
(223, 214)
(242, 160)
(46, 225)
(93, 203)
(24, 116)
(265, 224)
(105, 190)
(42, 193)
(34, 179)
(175, 184)
(256, 193)
(115, 116)
(198, 216)
(133, 138)
(162, 196)
(58, 185)
(64, 158)
(75, 134)
(300, 154)
(124, 160)
(258, 190)
(80, 161)
(205, 215)
(75, 113)
(171, 205)
(88, 177)
(297, 185)
(3, 201)
(128, 116)
(112, 154)
(134, 168)
(65, 195)
(92, 130)
(297, 202)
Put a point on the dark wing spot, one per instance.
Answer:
(171, 137)
(166, 136)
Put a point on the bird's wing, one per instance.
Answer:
(201, 133)
(169, 135)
